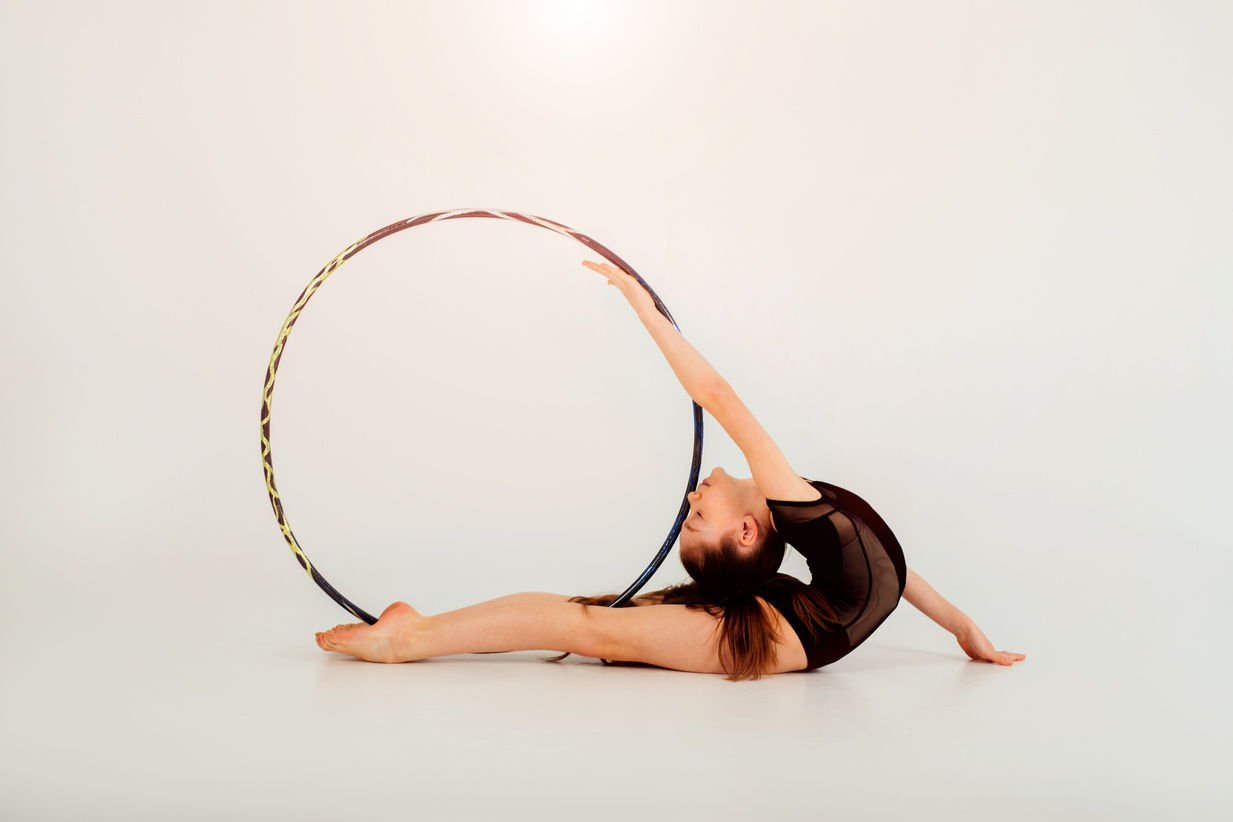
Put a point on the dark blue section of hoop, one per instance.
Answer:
(696, 465)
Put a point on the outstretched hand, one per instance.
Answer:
(628, 286)
(976, 645)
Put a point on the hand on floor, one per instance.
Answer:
(976, 645)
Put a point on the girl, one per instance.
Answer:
(738, 616)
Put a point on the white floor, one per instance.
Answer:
(213, 703)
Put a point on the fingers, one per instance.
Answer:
(610, 271)
(1008, 658)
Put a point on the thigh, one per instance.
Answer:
(684, 639)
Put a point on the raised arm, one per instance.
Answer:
(695, 374)
(771, 472)
(973, 642)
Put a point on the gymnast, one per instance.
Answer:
(737, 615)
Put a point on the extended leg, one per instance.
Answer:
(519, 622)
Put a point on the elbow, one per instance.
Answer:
(715, 392)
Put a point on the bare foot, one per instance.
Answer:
(391, 639)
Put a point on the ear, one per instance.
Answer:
(749, 531)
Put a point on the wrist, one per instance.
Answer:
(643, 305)
(960, 624)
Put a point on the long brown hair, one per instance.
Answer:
(725, 583)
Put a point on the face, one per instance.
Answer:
(722, 504)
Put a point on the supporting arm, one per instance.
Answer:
(930, 603)
(971, 639)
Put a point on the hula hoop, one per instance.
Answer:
(267, 456)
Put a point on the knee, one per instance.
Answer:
(588, 632)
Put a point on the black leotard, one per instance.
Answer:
(856, 563)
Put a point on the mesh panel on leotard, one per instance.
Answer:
(854, 559)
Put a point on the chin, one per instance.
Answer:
(688, 553)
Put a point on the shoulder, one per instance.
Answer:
(797, 492)
(810, 501)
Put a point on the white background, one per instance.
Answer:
(969, 260)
